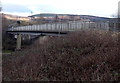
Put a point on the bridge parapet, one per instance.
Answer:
(61, 27)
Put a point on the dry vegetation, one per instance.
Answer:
(80, 56)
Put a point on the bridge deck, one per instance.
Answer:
(37, 32)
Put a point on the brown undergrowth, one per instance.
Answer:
(91, 55)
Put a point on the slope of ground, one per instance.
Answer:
(80, 56)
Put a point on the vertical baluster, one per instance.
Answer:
(50, 26)
(105, 26)
(100, 26)
(34, 28)
(73, 26)
(21, 28)
(40, 26)
(56, 27)
(29, 28)
(16, 28)
(79, 25)
(25, 28)
(62, 26)
(76, 25)
(37, 28)
(59, 28)
(68, 26)
(46, 27)
(84, 25)
(89, 24)
(65, 26)
(53, 27)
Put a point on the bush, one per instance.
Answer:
(91, 55)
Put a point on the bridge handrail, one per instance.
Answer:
(67, 26)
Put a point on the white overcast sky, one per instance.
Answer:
(104, 8)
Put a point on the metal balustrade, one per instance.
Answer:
(68, 26)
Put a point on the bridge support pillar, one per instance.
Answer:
(28, 37)
(42, 39)
(18, 47)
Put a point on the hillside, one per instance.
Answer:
(80, 56)
(95, 18)
(90, 17)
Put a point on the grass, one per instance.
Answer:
(6, 51)
(91, 55)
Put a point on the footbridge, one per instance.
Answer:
(58, 28)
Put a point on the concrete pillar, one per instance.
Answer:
(27, 37)
(42, 39)
(18, 47)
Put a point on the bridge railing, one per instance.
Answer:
(69, 26)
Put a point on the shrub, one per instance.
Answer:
(91, 55)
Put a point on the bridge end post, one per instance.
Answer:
(18, 46)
